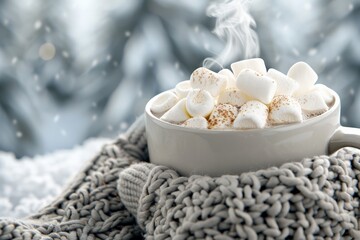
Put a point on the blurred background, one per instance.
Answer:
(71, 70)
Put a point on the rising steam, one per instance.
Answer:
(234, 25)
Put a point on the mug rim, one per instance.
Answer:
(284, 127)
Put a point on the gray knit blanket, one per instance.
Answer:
(119, 195)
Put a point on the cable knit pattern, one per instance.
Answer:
(315, 199)
(118, 195)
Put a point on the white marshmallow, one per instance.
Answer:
(208, 80)
(163, 102)
(284, 110)
(285, 85)
(177, 113)
(256, 85)
(182, 89)
(312, 103)
(325, 93)
(256, 64)
(253, 114)
(304, 75)
(222, 116)
(199, 103)
(196, 122)
(231, 81)
(232, 96)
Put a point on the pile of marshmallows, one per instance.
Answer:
(248, 97)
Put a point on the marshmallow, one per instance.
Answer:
(208, 80)
(325, 93)
(182, 89)
(253, 114)
(163, 102)
(256, 64)
(196, 122)
(222, 116)
(177, 113)
(284, 110)
(312, 103)
(304, 75)
(231, 81)
(256, 85)
(232, 96)
(285, 85)
(199, 103)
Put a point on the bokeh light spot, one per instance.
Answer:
(47, 51)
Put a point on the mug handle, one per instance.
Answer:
(344, 137)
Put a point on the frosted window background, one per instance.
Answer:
(71, 70)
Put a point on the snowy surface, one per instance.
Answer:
(28, 184)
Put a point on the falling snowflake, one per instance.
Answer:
(6, 22)
(37, 24)
(94, 63)
(14, 60)
(344, 119)
(351, 7)
(56, 118)
(65, 15)
(196, 28)
(177, 65)
(295, 51)
(65, 54)
(124, 125)
(206, 46)
(352, 91)
(307, 6)
(19, 134)
(312, 52)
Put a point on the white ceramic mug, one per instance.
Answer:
(217, 152)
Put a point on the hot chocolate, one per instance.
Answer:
(248, 97)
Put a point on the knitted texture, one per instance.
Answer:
(90, 207)
(314, 199)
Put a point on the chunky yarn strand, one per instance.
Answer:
(119, 195)
(90, 207)
(316, 198)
